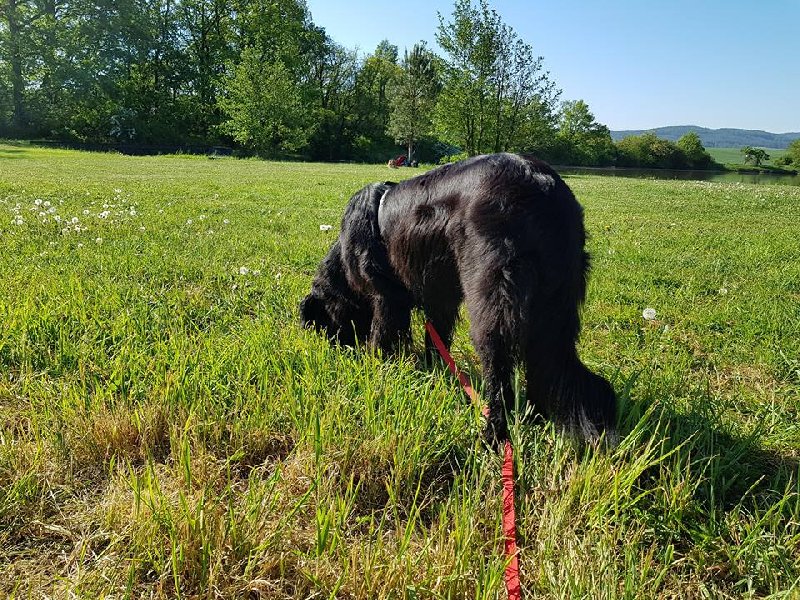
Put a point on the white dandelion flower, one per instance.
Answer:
(243, 270)
(74, 220)
(38, 202)
(189, 221)
(46, 203)
(85, 211)
(98, 241)
(225, 221)
(649, 314)
(325, 227)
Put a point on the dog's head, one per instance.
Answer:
(341, 322)
(333, 308)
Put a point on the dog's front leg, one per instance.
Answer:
(391, 323)
(497, 369)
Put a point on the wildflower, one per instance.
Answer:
(18, 221)
(133, 212)
(325, 227)
(85, 211)
(80, 244)
(243, 270)
(141, 228)
(202, 217)
(104, 214)
(189, 221)
(98, 241)
(74, 220)
(649, 314)
(723, 291)
(38, 202)
(225, 221)
(46, 203)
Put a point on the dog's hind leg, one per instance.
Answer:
(559, 385)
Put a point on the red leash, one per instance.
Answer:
(509, 514)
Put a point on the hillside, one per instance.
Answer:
(718, 138)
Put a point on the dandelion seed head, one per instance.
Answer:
(649, 314)
(325, 227)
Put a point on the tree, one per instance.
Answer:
(414, 98)
(264, 107)
(13, 35)
(492, 85)
(754, 155)
(793, 152)
(696, 155)
(649, 151)
(587, 141)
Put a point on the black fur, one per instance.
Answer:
(502, 232)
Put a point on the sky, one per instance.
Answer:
(639, 64)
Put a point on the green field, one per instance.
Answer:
(734, 156)
(168, 430)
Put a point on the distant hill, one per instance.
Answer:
(718, 138)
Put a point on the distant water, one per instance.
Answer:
(720, 177)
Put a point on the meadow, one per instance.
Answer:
(167, 430)
(734, 156)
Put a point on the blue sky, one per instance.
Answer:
(639, 64)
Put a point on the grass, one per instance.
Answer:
(167, 430)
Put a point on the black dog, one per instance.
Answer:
(502, 232)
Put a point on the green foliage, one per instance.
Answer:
(696, 155)
(650, 151)
(584, 141)
(754, 156)
(167, 429)
(264, 108)
(495, 94)
(413, 98)
(794, 153)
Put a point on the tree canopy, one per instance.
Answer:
(261, 77)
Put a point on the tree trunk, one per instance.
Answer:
(15, 58)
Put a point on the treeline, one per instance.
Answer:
(261, 77)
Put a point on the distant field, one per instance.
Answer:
(734, 156)
(168, 430)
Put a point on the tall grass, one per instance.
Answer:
(167, 429)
